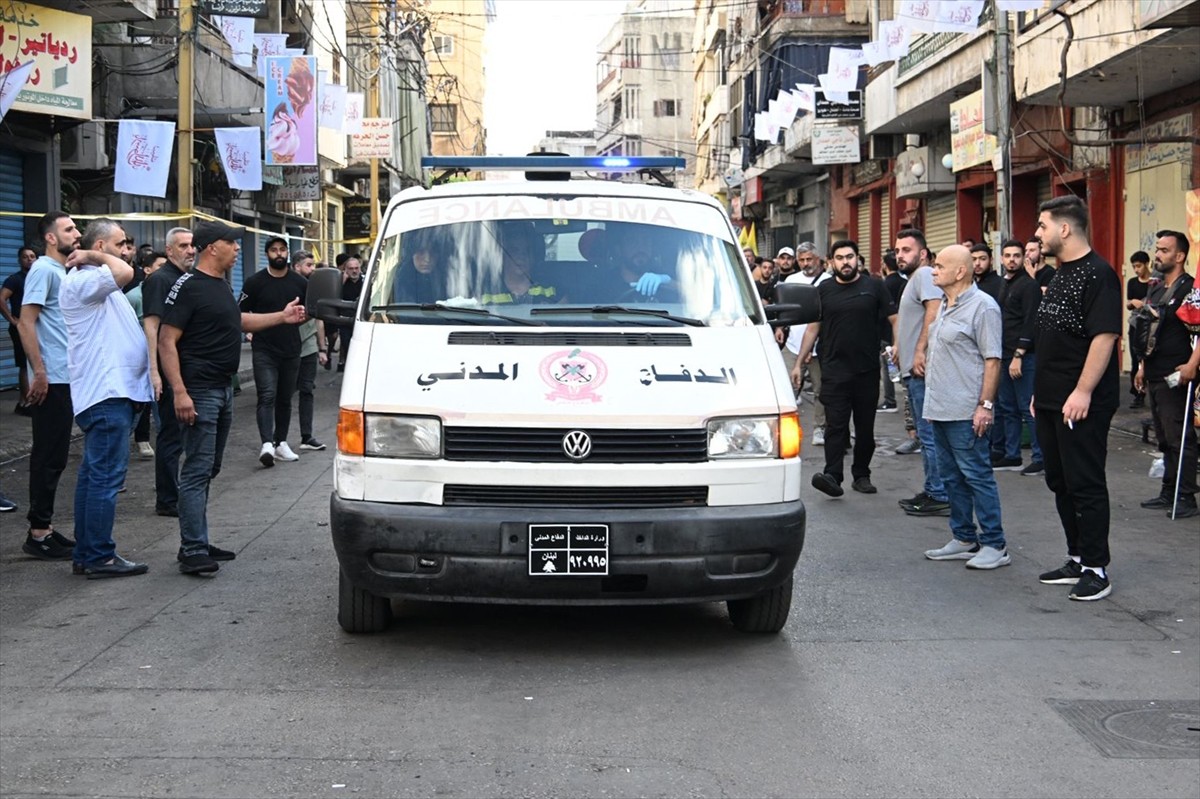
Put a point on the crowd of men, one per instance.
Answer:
(108, 336)
(991, 360)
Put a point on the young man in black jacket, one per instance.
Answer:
(1019, 299)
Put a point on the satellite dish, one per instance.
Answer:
(734, 176)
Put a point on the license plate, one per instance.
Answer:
(568, 550)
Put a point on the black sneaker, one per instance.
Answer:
(164, 510)
(827, 485)
(1091, 586)
(216, 553)
(915, 501)
(311, 443)
(49, 548)
(887, 407)
(1186, 510)
(1066, 574)
(930, 507)
(1006, 464)
(863, 485)
(62, 540)
(197, 564)
(118, 568)
(1034, 469)
(1157, 503)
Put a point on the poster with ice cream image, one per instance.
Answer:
(291, 110)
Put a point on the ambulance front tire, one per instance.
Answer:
(361, 611)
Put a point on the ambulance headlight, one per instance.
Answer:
(750, 437)
(403, 436)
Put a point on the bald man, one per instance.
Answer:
(962, 374)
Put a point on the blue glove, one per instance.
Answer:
(649, 283)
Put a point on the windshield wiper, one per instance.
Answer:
(617, 309)
(441, 306)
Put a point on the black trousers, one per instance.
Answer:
(168, 449)
(52, 423)
(845, 398)
(1171, 408)
(306, 382)
(275, 381)
(1075, 461)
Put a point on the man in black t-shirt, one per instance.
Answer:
(1036, 264)
(167, 446)
(1076, 391)
(1135, 297)
(200, 346)
(276, 352)
(12, 294)
(853, 307)
(1174, 357)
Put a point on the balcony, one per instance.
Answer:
(106, 10)
(926, 48)
(1113, 59)
(780, 19)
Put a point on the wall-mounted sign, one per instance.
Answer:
(828, 109)
(970, 143)
(835, 144)
(60, 46)
(918, 172)
(233, 8)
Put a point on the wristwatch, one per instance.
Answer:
(987, 405)
(1018, 355)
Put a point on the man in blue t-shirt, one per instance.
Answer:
(43, 333)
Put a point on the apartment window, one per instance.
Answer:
(666, 108)
(443, 117)
(633, 98)
(443, 44)
(616, 113)
(632, 54)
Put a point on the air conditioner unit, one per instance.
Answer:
(791, 197)
(882, 146)
(83, 147)
(781, 216)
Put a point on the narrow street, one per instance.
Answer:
(895, 676)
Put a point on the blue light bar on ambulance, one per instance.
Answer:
(550, 163)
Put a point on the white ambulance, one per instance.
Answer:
(563, 391)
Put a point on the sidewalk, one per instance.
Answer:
(15, 432)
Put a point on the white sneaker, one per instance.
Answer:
(955, 550)
(284, 453)
(819, 437)
(266, 455)
(145, 451)
(989, 558)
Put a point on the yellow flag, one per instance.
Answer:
(748, 238)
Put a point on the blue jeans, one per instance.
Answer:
(106, 427)
(929, 459)
(203, 446)
(1013, 406)
(964, 462)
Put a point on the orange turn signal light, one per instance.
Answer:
(351, 434)
(790, 435)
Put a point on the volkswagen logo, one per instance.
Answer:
(577, 444)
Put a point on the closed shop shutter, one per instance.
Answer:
(12, 237)
(1044, 190)
(941, 226)
(885, 225)
(766, 240)
(862, 224)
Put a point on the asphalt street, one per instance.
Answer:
(895, 676)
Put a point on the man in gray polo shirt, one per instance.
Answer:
(962, 376)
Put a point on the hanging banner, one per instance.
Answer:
(11, 84)
(267, 45)
(895, 35)
(830, 88)
(933, 16)
(291, 111)
(375, 141)
(300, 184)
(60, 46)
(970, 143)
(843, 68)
(143, 157)
(333, 106)
(806, 96)
(355, 103)
(239, 32)
(241, 155)
(1019, 5)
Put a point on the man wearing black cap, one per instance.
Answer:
(276, 352)
(200, 346)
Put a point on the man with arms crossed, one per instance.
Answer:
(1076, 391)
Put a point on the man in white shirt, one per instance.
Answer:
(110, 378)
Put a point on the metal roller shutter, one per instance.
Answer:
(862, 226)
(885, 225)
(12, 237)
(1044, 190)
(941, 226)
